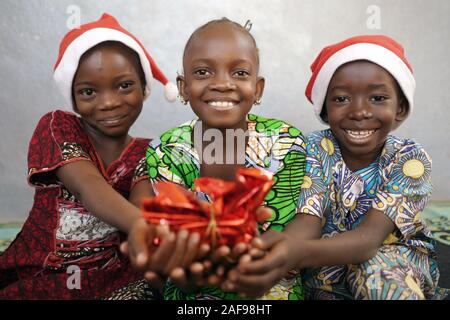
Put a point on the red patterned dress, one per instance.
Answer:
(63, 251)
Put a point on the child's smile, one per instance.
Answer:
(364, 104)
(221, 76)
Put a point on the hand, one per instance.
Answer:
(258, 272)
(158, 262)
(225, 258)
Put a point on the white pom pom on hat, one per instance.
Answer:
(381, 50)
(77, 41)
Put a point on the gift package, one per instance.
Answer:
(228, 218)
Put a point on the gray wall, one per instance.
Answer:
(289, 35)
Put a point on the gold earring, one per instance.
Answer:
(257, 102)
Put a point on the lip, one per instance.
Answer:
(112, 121)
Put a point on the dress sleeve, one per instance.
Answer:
(140, 173)
(405, 188)
(314, 199)
(160, 164)
(56, 141)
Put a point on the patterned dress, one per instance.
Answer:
(63, 251)
(273, 146)
(398, 183)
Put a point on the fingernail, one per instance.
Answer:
(141, 258)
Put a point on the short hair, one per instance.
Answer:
(244, 28)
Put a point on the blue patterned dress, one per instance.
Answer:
(397, 183)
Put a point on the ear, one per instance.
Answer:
(181, 84)
(402, 110)
(260, 82)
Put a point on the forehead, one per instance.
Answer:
(362, 72)
(222, 39)
(108, 55)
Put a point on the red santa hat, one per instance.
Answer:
(107, 28)
(378, 49)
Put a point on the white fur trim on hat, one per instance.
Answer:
(362, 51)
(170, 91)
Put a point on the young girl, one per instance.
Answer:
(84, 169)
(363, 191)
(221, 84)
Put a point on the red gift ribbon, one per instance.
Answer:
(228, 219)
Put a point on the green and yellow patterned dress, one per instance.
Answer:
(272, 145)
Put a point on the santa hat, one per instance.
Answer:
(77, 41)
(378, 49)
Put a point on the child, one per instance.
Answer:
(221, 83)
(84, 169)
(363, 189)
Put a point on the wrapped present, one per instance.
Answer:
(228, 219)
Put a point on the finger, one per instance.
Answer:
(207, 264)
(203, 250)
(214, 280)
(245, 259)
(178, 277)
(255, 285)
(154, 279)
(219, 255)
(238, 250)
(220, 271)
(267, 240)
(163, 253)
(191, 249)
(263, 214)
(124, 248)
(177, 256)
(198, 274)
(274, 259)
(137, 243)
(229, 283)
(256, 253)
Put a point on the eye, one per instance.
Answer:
(202, 73)
(341, 99)
(241, 73)
(86, 92)
(126, 85)
(378, 98)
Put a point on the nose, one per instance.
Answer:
(109, 100)
(222, 82)
(360, 110)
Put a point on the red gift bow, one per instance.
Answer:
(229, 219)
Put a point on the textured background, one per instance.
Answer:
(289, 35)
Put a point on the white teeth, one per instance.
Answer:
(222, 104)
(112, 121)
(360, 134)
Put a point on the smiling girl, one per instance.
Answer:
(221, 82)
(358, 233)
(83, 167)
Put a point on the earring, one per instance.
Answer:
(183, 101)
(257, 101)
